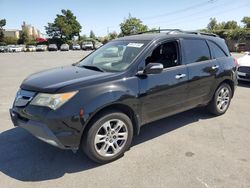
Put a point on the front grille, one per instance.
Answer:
(23, 97)
(244, 69)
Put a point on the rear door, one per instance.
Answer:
(202, 70)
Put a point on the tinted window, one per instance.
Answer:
(196, 50)
(216, 50)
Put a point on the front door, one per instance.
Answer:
(165, 93)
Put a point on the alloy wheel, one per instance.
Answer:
(223, 99)
(111, 137)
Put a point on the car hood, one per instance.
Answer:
(52, 80)
(244, 61)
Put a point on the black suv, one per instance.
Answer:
(99, 103)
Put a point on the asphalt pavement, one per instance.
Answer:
(191, 149)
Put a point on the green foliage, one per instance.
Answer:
(65, 26)
(83, 38)
(246, 21)
(132, 25)
(212, 24)
(230, 29)
(2, 24)
(92, 35)
(24, 37)
(10, 40)
(231, 25)
(112, 35)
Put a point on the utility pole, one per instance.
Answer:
(108, 31)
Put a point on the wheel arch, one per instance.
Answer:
(230, 83)
(116, 107)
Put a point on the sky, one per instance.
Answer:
(105, 16)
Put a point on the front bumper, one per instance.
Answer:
(60, 131)
(243, 76)
(37, 129)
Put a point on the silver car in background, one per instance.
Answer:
(64, 47)
(41, 48)
(244, 67)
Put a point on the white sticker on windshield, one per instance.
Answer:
(135, 45)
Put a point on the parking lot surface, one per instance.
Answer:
(191, 149)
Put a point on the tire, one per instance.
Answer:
(108, 137)
(221, 100)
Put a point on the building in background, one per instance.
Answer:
(31, 30)
(11, 33)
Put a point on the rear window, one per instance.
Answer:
(195, 50)
(216, 51)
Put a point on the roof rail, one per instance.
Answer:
(177, 31)
(158, 30)
(200, 33)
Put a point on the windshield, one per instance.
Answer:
(115, 56)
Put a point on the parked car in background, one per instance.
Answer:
(100, 103)
(52, 47)
(87, 45)
(23, 47)
(3, 49)
(41, 48)
(97, 45)
(244, 67)
(14, 48)
(76, 47)
(30, 48)
(240, 47)
(64, 47)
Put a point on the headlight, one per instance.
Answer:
(53, 101)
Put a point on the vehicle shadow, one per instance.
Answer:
(26, 158)
(163, 126)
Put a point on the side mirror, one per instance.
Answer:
(152, 68)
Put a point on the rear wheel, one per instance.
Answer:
(221, 100)
(108, 137)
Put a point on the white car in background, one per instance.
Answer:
(41, 48)
(244, 67)
(14, 48)
(76, 47)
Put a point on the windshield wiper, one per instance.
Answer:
(93, 67)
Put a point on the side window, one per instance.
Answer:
(216, 51)
(195, 50)
(166, 54)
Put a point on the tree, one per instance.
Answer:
(65, 26)
(112, 35)
(212, 25)
(24, 37)
(246, 21)
(92, 35)
(231, 25)
(2, 24)
(10, 40)
(132, 25)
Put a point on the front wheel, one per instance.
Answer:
(221, 100)
(108, 137)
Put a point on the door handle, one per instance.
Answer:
(215, 67)
(179, 76)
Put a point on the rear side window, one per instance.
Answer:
(196, 50)
(216, 51)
